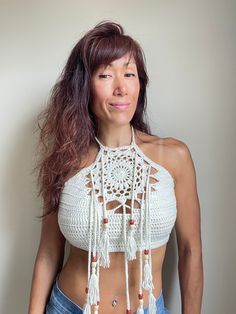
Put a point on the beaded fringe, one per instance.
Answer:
(100, 252)
(104, 248)
(140, 310)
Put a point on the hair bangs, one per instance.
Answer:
(108, 49)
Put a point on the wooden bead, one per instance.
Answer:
(105, 220)
(146, 258)
(131, 222)
(94, 258)
(146, 252)
(140, 296)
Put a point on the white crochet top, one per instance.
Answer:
(122, 202)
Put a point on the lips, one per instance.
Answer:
(120, 105)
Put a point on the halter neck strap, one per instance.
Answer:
(118, 147)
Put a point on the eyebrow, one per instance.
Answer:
(125, 64)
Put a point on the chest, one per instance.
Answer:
(121, 187)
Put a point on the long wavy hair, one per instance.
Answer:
(68, 125)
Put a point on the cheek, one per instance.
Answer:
(101, 94)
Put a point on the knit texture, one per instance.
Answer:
(76, 196)
(122, 202)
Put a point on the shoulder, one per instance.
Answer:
(170, 152)
(178, 157)
(177, 149)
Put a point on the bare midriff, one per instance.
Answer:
(72, 280)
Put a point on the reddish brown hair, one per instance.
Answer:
(68, 126)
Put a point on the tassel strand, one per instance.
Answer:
(93, 285)
(131, 246)
(147, 283)
(152, 308)
(104, 245)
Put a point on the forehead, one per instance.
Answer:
(124, 61)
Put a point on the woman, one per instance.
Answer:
(112, 189)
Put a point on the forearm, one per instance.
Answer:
(45, 270)
(191, 282)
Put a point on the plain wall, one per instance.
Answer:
(190, 49)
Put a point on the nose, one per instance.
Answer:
(120, 88)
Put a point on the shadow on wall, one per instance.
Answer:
(170, 270)
(21, 227)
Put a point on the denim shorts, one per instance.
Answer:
(59, 303)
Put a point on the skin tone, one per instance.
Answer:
(119, 84)
(116, 89)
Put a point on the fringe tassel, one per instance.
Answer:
(96, 309)
(152, 308)
(104, 248)
(140, 309)
(147, 283)
(87, 308)
(93, 286)
(131, 245)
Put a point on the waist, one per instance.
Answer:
(59, 298)
(77, 261)
(73, 277)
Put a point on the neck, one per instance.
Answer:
(115, 136)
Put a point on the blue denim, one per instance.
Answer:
(59, 303)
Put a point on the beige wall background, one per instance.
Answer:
(190, 49)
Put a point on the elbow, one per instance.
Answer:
(190, 250)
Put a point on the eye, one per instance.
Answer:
(103, 75)
(130, 74)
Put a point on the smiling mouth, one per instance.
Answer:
(120, 105)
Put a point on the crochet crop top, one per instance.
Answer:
(122, 202)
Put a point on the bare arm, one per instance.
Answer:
(188, 233)
(48, 262)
